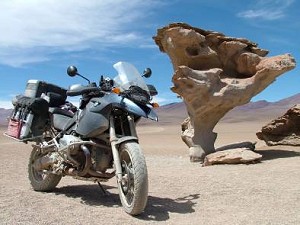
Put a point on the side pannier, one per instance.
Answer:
(31, 110)
(29, 117)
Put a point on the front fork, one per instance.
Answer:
(116, 141)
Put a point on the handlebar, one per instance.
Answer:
(82, 90)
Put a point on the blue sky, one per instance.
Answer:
(39, 39)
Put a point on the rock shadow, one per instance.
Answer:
(271, 154)
(157, 209)
(245, 144)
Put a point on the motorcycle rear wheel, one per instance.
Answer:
(133, 189)
(39, 180)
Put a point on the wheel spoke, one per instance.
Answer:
(38, 174)
(128, 180)
(41, 180)
(131, 193)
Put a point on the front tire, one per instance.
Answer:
(39, 180)
(133, 189)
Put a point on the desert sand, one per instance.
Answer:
(180, 192)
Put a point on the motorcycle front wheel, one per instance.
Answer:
(39, 179)
(133, 189)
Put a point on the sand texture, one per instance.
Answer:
(180, 192)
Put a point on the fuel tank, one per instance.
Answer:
(94, 118)
(92, 123)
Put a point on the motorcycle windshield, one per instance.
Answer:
(128, 76)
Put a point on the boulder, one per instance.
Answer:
(213, 74)
(284, 130)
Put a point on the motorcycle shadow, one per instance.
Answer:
(90, 194)
(157, 209)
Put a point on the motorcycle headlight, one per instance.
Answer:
(138, 95)
(140, 98)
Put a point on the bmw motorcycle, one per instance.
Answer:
(95, 142)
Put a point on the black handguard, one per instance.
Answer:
(82, 90)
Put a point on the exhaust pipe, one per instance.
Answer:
(88, 161)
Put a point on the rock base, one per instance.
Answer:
(232, 156)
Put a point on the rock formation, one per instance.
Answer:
(284, 130)
(213, 74)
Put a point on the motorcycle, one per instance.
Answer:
(95, 142)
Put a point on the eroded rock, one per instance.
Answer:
(213, 74)
(284, 130)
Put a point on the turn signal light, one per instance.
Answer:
(155, 105)
(116, 90)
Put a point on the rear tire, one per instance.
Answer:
(39, 180)
(133, 189)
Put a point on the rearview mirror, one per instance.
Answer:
(72, 71)
(147, 73)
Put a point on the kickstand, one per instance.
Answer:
(104, 192)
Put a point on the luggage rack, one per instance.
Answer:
(24, 139)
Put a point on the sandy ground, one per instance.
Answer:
(180, 192)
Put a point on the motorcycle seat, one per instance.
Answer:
(56, 110)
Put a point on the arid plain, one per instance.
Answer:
(180, 192)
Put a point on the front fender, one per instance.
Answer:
(125, 139)
(152, 115)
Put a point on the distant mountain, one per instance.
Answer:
(4, 114)
(253, 111)
(295, 99)
(175, 113)
(255, 105)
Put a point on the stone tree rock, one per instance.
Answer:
(284, 130)
(214, 74)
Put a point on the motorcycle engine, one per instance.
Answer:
(101, 159)
(64, 144)
(68, 139)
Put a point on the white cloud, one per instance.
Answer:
(267, 10)
(32, 30)
(6, 104)
(261, 13)
(166, 98)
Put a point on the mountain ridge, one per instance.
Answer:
(175, 113)
(252, 111)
